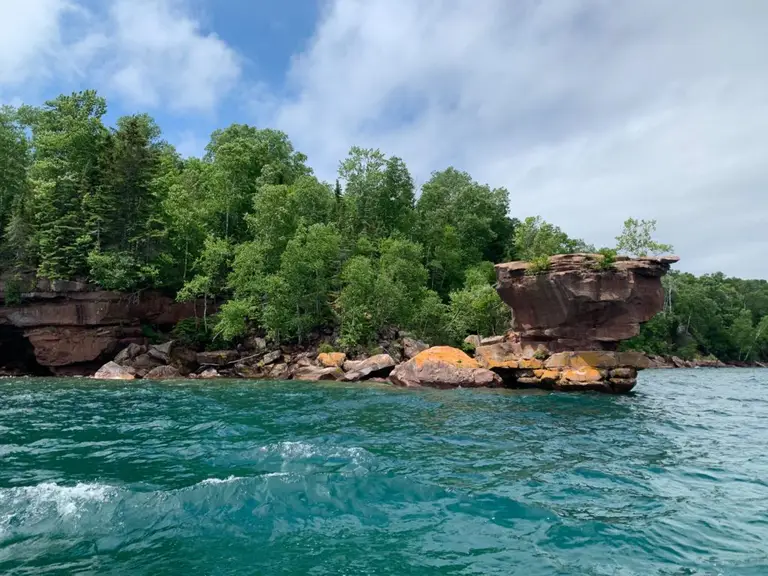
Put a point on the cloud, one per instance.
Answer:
(30, 39)
(148, 53)
(588, 111)
(163, 57)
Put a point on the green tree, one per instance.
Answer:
(636, 239)
(14, 160)
(297, 297)
(379, 194)
(70, 142)
(461, 223)
(534, 238)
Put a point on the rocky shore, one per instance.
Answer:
(569, 322)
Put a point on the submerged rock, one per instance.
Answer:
(444, 367)
(163, 373)
(315, 374)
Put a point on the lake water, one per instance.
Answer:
(288, 478)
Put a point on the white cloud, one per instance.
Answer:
(30, 38)
(163, 57)
(150, 53)
(589, 111)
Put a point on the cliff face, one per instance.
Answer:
(576, 306)
(68, 327)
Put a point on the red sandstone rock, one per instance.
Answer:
(378, 365)
(575, 306)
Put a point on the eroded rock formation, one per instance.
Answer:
(575, 305)
(72, 327)
(570, 319)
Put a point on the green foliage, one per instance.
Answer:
(607, 260)
(460, 223)
(120, 271)
(193, 333)
(636, 239)
(477, 310)
(538, 265)
(534, 239)
(232, 320)
(13, 291)
(326, 348)
(297, 296)
(708, 315)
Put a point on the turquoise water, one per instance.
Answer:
(288, 478)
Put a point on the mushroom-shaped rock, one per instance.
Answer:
(112, 371)
(444, 367)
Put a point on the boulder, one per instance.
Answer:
(129, 353)
(376, 366)
(575, 305)
(315, 374)
(161, 352)
(271, 357)
(331, 359)
(473, 341)
(163, 373)
(491, 340)
(209, 374)
(242, 370)
(279, 372)
(63, 345)
(217, 358)
(503, 355)
(412, 347)
(444, 367)
(256, 343)
(112, 371)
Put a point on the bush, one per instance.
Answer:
(538, 265)
(326, 348)
(607, 260)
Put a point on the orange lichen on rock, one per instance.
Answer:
(446, 354)
(332, 359)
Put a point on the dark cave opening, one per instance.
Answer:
(17, 355)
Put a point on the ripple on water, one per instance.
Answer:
(289, 478)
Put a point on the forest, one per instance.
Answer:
(267, 247)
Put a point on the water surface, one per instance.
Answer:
(288, 478)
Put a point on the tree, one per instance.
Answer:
(636, 239)
(379, 194)
(477, 307)
(460, 223)
(534, 238)
(297, 297)
(211, 273)
(70, 143)
(15, 160)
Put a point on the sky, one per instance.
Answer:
(587, 111)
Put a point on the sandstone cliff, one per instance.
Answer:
(70, 327)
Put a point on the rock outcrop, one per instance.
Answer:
(576, 305)
(570, 319)
(73, 324)
(444, 367)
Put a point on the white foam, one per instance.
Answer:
(31, 503)
(210, 481)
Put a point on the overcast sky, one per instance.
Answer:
(587, 111)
